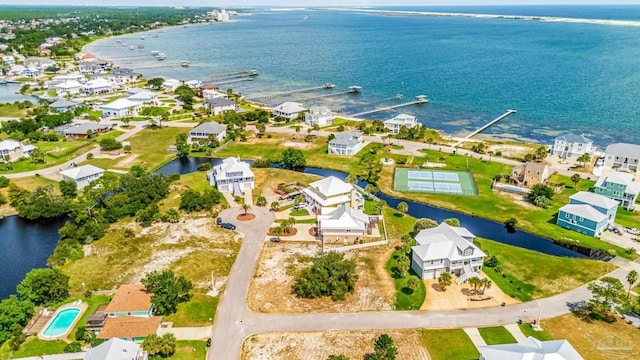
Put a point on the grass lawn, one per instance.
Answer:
(523, 278)
(33, 347)
(266, 180)
(194, 181)
(189, 350)
(405, 298)
(57, 152)
(94, 302)
(584, 336)
(497, 205)
(110, 135)
(301, 212)
(196, 312)
(496, 335)
(11, 110)
(148, 149)
(527, 330)
(449, 345)
(397, 224)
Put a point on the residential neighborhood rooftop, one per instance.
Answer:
(129, 327)
(80, 172)
(624, 150)
(129, 298)
(531, 349)
(594, 199)
(572, 138)
(209, 127)
(584, 211)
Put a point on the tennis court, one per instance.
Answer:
(434, 181)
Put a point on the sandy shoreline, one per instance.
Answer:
(496, 16)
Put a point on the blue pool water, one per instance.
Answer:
(61, 322)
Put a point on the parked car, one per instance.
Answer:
(275, 239)
(299, 206)
(633, 231)
(209, 342)
(280, 192)
(218, 220)
(228, 226)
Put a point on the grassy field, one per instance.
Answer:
(527, 330)
(56, 152)
(196, 312)
(524, 279)
(189, 350)
(496, 335)
(449, 345)
(397, 223)
(194, 181)
(405, 298)
(148, 149)
(29, 183)
(33, 347)
(267, 180)
(11, 110)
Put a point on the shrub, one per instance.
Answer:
(110, 144)
(4, 181)
(329, 275)
(90, 156)
(261, 163)
(491, 262)
(204, 167)
(73, 347)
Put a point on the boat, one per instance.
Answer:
(184, 64)
(305, 18)
(131, 47)
(141, 37)
(3, 80)
(140, 46)
(328, 86)
(155, 52)
(161, 56)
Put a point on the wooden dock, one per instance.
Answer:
(273, 95)
(420, 99)
(350, 90)
(485, 126)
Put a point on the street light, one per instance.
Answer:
(538, 327)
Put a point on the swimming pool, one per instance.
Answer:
(513, 189)
(61, 322)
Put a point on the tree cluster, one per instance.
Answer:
(293, 159)
(110, 144)
(329, 275)
(540, 195)
(192, 200)
(159, 346)
(40, 203)
(168, 291)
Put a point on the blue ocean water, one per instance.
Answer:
(561, 77)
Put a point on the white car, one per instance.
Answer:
(633, 231)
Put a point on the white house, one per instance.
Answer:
(343, 224)
(331, 192)
(82, 175)
(623, 156)
(8, 59)
(16, 70)
(446, 248)
(288, 110)
(319, 115)
(145, 97)
(32, 72)
(212, 94)
(68, 87)
(171, 84)
(219, 105)
(346, 143)
(12, 150)
(97, 86)
(530, 349)
(572, 146)
(121, 107)
(232, 175)
(399, 121)
(194, 84)
(116, 349)
(122, 76)
(204, 131)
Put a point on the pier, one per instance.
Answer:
(350, 90)
(230, 81)
(485, 126)
(234, 74)
(420, 99)
(261, 98)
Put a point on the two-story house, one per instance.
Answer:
(623, 156)
(619, 186)
(319, 115)
(529, 174)
(12, 150)
(588, 213)
(572, 146)
(399, 121)
(446, 248)
(346, 143)
(82, 175)
(116, 349)
(331, 192)
(130, 315)
(343, 224)
(232, 175)
(207, 131)
(289, 110)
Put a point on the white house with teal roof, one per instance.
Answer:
(588, 213)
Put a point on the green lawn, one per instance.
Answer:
(57, 152)
(301, 212)
(397, 224)
(189, 350)
(94, 302)
(405, 298)
(524, 278)
(527, 330)
(196, 312)
(33, 347)
(449, 344)
(496, 335)
(11, 110)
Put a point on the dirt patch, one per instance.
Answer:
(297, 145)
(518, 199)
(293, 232)
(246, 217)
(127, 162)
(270, 290)
(511, 151)
(319, 345)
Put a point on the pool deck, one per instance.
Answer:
(82, 306)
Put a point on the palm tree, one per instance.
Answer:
(277, 231)
(429, 141)
(475, 282)
(632, 277)
(444, 280)
(575, 178)
(486, 284)
(297, 129)
(316, 127)
(275, 206)
(246, 207)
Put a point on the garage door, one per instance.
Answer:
(428, 274)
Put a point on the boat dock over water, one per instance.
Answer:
(262, 98)
(420, 99)
(485, 126)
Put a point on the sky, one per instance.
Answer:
(290, 3)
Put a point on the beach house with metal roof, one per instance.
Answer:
(394, 124)
(346, 143)
(530, 349)
(619, 186)
(623, 156)
(319, 115)
(12, 150)
(588, 213)
(289, 110)
(63, 105)
(205, 131)
(121, 107)
(82, 175)
(331, 192)
(232, 175)
(116, 349)
(446, 248)
(343, 224)
(219, 105)
(572, 146)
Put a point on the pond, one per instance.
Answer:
(9, 93)
(478, 226)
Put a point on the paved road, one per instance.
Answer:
(234, 321)
(229, 329)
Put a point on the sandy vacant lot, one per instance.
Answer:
(319, 345)
(270, 290)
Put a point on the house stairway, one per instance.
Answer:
(236, 189)
(467, 273)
